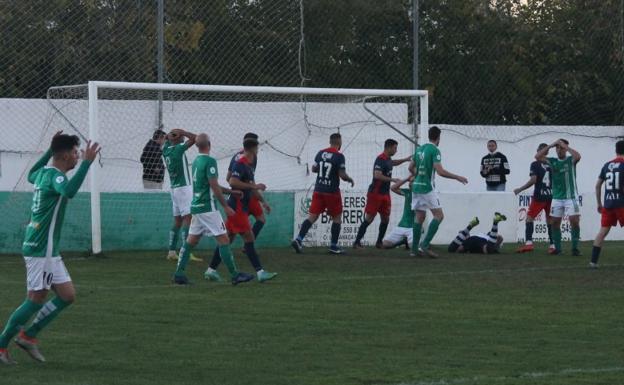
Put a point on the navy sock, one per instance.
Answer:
(362, 231)
(335, 233)
(382, 231)
(550, 238)
(257, 227)
(305, 227)
(528, 232)
(254, 259)
(595, 254)
(216, 259)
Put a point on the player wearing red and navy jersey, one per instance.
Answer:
(539, 176)
(378, 196)
(612, 212)
(257, 202)
(242, 178)
(329, 165)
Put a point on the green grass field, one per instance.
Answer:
(370, 317)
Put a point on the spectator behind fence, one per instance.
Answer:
(151, 158)
(494, 167)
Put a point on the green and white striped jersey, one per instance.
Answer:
(563, 178)
(177, 164)
(204, 169)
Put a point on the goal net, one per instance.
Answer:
(114, 211)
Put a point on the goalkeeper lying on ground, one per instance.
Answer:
(480, 244)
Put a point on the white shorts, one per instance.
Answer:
(428, 201)
(562, 207)
(399, 234)
(210, 223)
(181, 197)
(42, 272)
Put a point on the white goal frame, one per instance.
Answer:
(94, 86)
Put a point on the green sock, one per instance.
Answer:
(431, 232)
(20, 316)
(226, 256)
(576, 236)
(185, 230)
(556, 234)
(416, 231)
(48, 312)
(173, 238)
(185, 254)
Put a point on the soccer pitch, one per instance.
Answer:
(370, 317)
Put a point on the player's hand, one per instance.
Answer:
(516, 191)
(260, 186)
(229, 211)
(352, 182)
(599, 209)
(90, 152)
(462, 179)
(395, 180)
(236, 193)
(57, 133)
(266, 207)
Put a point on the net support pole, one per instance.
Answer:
(415, 67)
(160, 59)
(424, 117)
(96, 228)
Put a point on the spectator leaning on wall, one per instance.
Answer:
(151, 158)
(494, 167)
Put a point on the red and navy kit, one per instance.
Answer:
(378, 197)
(612, 174)
(542, 190)
(255, 208)
(236, 158)
(326, 194)
(239, 222)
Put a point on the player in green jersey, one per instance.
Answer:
(426, 162)
(402, 233)
(565, 199)
(206, 218)
(174, 151)
(44, 266)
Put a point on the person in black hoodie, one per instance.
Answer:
(151, 158)
(494, 167)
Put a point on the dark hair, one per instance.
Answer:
(434, 133)
(619, 147)
(541, 146)
(390, 142)
(158, 134)
(564, 141)
(333, 138)
(64, 143)
(248, 144)
(492, 141)
(250, 135)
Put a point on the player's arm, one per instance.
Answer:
(449, 175)
(217, 191)
(397, 162)
(532, 180)
(412, 167)
(396, 188)
(576, 156)
(544, 151)
(377, 174)
(238, 184)
(45, 158)
(258, 194)
(599, 183)
(190, 137)
(69, 188)
(344, 176)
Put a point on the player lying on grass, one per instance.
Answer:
(489, 243)
(45, 269)
(206, 218)
(402, 233)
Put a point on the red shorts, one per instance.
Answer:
(239, 222)
(378, 203)
(611, 217)
(255, 208)
(332, 202)
(536, 206)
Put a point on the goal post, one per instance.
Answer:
(292, 123)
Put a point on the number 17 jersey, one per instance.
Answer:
(329, 162)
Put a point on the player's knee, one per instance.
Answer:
(38, 296)
(439, 217)
(69, 298)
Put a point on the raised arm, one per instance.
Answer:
(32, 174)
(446, 174)
(544, 151)
(69, 188)
(576, 156)
(397, 162)
(190, 138)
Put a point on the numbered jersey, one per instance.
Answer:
(563, 178)
(611, 174)
(329, 163)
(177, 165)
(204, 169)
(383, 163)
(243, 171)
(424, 158)
(542, 191)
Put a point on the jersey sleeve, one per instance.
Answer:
(238, 171)
(437, 156)
(341, 162)
(232, 162)
(212, 171)
(379, 165)
(603, 172)
(534, 171)
(69, 188)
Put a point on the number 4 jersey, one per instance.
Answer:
(329, 163)
(611, 174)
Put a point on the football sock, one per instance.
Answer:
(48, 312)
(335, 233)
(416, 231)
(20, 316)
(225, 252)
(433, 229)
(185, 254)
(528, 231)
(382, 231)
(257, 227)
(305, 226)
(362, 231)
(556, 232)
(576, 235)
(595, 255)
(173, 237)
(250, 250)
(216, 258)
(550, 235)
(493, 234)
(185, 231)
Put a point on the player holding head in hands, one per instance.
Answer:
(44, 266)
(426, 162)
(329, 165)
(612, 208)
(206, 218)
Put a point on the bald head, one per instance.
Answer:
(203, 142)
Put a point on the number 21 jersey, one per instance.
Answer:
(611, 173)
(329, 163)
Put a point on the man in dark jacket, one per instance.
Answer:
(494, 167)
(151, 158)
